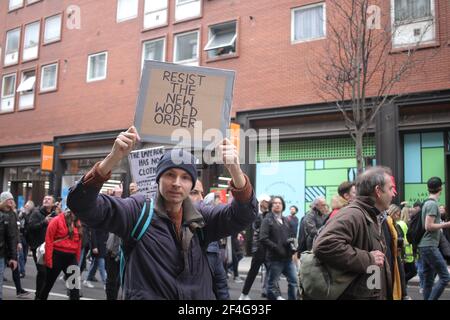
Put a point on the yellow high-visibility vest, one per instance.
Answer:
(409, 256)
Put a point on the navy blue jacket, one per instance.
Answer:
(161, 267)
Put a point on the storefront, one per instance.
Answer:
(20, 173)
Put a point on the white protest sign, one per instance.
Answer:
(143, 169)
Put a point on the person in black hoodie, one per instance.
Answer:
(276, 237)
(8, 236)
(36, 230)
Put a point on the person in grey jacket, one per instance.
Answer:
(169, 261)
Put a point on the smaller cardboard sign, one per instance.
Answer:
(143, 169)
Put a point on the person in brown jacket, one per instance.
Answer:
(353, 240)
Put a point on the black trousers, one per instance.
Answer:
(113, 277)
(41, 275)
(61, 261)
(410, 271)
(259, 257)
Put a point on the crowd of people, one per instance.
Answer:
(184, 245)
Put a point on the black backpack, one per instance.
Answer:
(416, 229)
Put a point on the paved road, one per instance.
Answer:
(97, 293)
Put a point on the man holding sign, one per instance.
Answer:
(169, 261)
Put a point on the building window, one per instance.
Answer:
(97, 64)
(14, 4)
(186, 48)
(8, 93)
(411, 10)
(49, 77)
(26, 90)
(153, 50)
(12, 47)
(222, 40)
(32, 1)
(52, 30)
(412, 22)
(308, 23)
(186, 9)
(155, 13)
(31, 41)
(127, 9)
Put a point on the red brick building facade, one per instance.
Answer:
(86, 58)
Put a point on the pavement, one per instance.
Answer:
(97, 293)
(244, 267)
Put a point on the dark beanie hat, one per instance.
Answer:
(177, 158)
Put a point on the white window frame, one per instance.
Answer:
(26, 107)
(16, 60)
(41, 88)
(16, 6)
(180, 3)
(47, 41)
(133, 16)
(32, 1)
(212, 36)
(294, 10)
(153, 40)
(412, 23)
(193, 62)
(35, 46)
(89, 66)
(11, 96)
(148, 12)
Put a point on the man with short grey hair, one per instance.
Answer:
(315, 219)
(353, 241)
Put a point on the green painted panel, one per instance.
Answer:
(315, 149)
(433, 163)
(415, 192)
(309, 164)
(307, 207)
(326, 177)
(340, 163)
(331, 192)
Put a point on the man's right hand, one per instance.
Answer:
(123, 145)
(378, 257)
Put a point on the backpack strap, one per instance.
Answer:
(139, 230)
